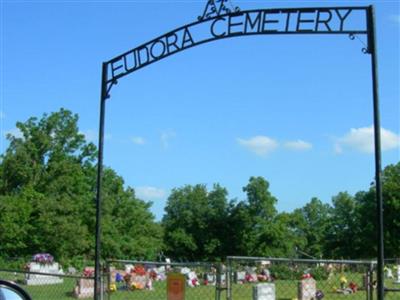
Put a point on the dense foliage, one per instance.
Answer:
(47, 202)
(47, 193)
(253, 227)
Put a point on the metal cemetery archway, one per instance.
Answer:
(220, 22)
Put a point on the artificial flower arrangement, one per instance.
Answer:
(139, 270)
(88, 272)
(306, 276)
(43, 258)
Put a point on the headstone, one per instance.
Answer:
(264, 291)
(307, 288)
(240, 277)
(176, 286)
(389, 273)
(36, 279)
(398, 274)
(211, 278)
(185, 270)
(84, 288)
(128, 268)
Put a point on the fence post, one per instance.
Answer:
(108, 279)
(218, 283)
(367, 283)
(371, 282)
(228, 279)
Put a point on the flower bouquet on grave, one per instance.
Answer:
(88, 272)
(139, 270)
(43, 258)
(306, 276)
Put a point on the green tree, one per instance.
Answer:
(129, 230)
(49, 175)
(367, 208)
(256, 227)
(312, 221)
(15, 225)
(342, 229)
(195, 223)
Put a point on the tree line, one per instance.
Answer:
(47, 204)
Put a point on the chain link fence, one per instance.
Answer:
(240, 278)
(147, 280)
(304, 279)
(48, 286)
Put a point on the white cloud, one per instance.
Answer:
(362, 139)
(138, 140)
(298, 145)
(149, 193)
(15, 132)
(260, 145)
(166, 136)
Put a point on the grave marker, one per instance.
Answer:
(264, 291)
(307, 288)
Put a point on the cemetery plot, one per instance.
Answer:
(277, 280)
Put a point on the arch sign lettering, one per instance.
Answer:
(220, 21)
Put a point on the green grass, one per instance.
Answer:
(285, 290)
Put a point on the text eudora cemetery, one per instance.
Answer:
(251, 22)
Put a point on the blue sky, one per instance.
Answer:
(296, 110)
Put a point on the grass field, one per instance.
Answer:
(285, 290)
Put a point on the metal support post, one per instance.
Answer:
(377, 137)
(228, 278)
(97, 269)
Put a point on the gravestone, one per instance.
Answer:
(36, 279)
(128, 268)
(307, 288)
(84, 288)
(398, 274)
(389, 273)
(264, 291)
(240, 277)
(211, 278)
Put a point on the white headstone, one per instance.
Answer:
(36, 279)
(389, 273)
(84, 288)
(240, 276)
(185, 270)
(398, 274)
(128, 268)
(264, 291)
(211, 278)
(307, 289)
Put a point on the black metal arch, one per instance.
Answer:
(311, 20)
(238, 23)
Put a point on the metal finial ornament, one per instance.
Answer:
(216, 8)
